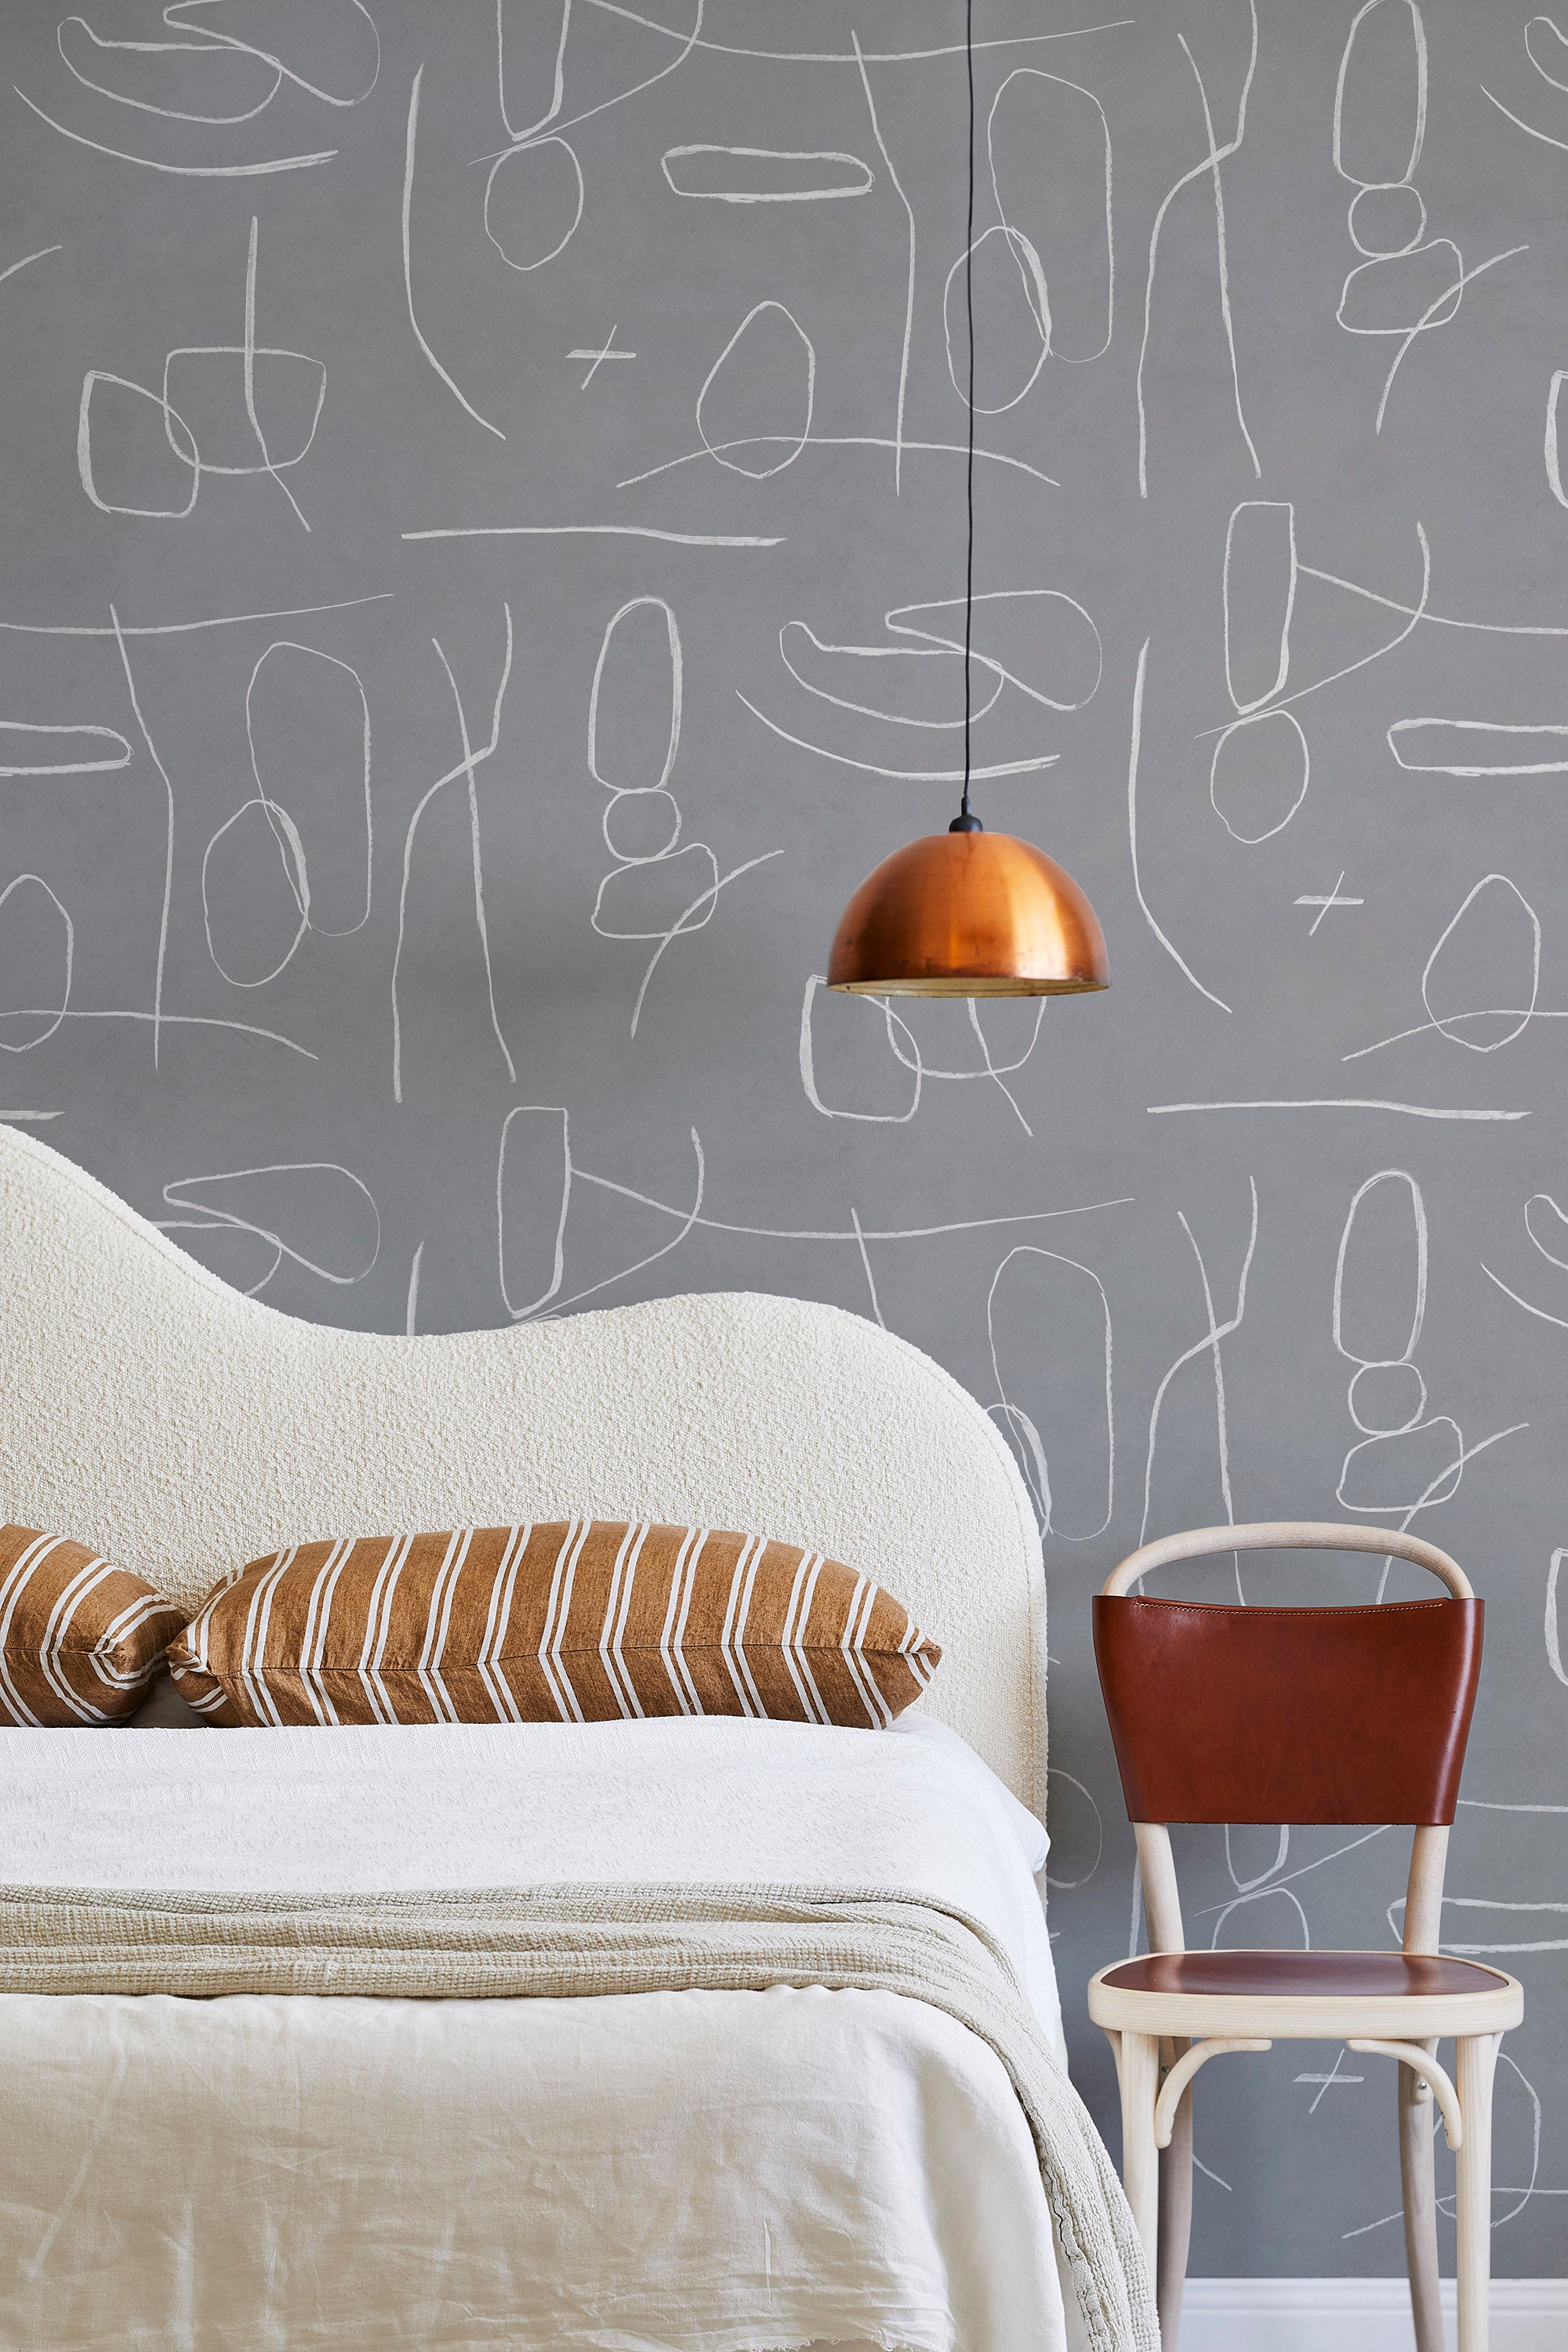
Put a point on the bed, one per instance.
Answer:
(702, 2169)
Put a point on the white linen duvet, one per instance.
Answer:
(694, 2172)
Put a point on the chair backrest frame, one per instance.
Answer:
(1162, 1896)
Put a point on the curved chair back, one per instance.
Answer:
(1313, 1715)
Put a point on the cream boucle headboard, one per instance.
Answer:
(181, 1428)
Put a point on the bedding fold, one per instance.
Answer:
(554, 1941)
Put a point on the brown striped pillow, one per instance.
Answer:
(577, 1621)
(80, 1640)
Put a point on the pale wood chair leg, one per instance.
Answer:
(1176, 2223)
(1477, 2055)
(1139, 2156)
(1416, 2118)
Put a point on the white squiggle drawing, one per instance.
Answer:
(1067, 1885)
(27, 259)
(745, 186)
(1171, 950)
(1208, 1345)
(1209, 167)
(1324, 902)
(285, 834)
(652, 865)
(1402, 260)
(592, 530)
(410, 140)
(1030, 262)
(808, 394)
(1554, 1623)
(52, 1021)
(1337, 1102)
(1031, 1446)
(1545, 74)
(195, 362)
(1552, 453)
(184, 171)
(904, 662)
(847, 57)
(14, 766)
(854, 1235)
(1451, 1024)
(208, 41)
(204, 1200)
(607, 352)
(184, 628)
(1544, 1248)
(521, 155)
(906, 1049)
(899, 443)
(1553, 740)
(552, 115)
(1394, 1430)
(466, 767)
(1269, 625)
(168, 839)
(898, 190)
(212, 42)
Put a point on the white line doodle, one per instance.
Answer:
(411, 1310)
(600, 356)
(168, 839)
(899, 443)
(593, 531)
(27, 259)
(1552, 453)
(1554, 1623)
(186, 628)
(1337, 1102)
(1547, 738)
(541, 260)
(67, 767)
(1035, 1461)
(408, 150)
(1060, 81)
(52, 1021)
(1449, 1024)
(212, 384)
(898, 190)
(549, 1111)
(1171, 950)
(206, 1214)
(1209, 1345)
(847, 57)
(183, 171)
(749, 187)
(1209, 167)
(1323, 904)
(467, 766)
(795, 447)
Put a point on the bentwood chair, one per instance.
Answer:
(1334, 1715)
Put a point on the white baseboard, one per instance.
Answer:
(1232, 2314)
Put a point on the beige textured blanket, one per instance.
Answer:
(569, 1941)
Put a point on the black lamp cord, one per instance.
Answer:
(965, 822)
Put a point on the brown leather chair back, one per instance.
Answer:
(1223, 1714)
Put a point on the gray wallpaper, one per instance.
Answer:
(480, 583)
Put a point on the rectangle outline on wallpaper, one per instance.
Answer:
(1356, 2315)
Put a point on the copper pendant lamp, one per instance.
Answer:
(967, 912)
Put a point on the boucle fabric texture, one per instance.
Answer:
(573, 1620)
(180, 1428)
(569, 1942)
(79, 1638)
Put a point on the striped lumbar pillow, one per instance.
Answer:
(80, 1640)
(577, 1621)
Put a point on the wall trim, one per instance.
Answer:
(1350, 2314)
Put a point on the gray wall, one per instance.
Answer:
(1290, 1196)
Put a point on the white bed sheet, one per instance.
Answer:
(715, 2172)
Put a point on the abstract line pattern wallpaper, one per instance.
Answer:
(482, 574)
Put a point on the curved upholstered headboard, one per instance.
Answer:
(181, 1428)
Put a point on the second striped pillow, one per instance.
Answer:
(577, 1621)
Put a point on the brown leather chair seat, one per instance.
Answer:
(1312, 1976)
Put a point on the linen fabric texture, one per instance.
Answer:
(577, 1621)
(79, 1638)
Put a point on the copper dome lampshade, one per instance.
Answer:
(967, 912)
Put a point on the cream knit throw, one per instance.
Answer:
(568, 1941)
